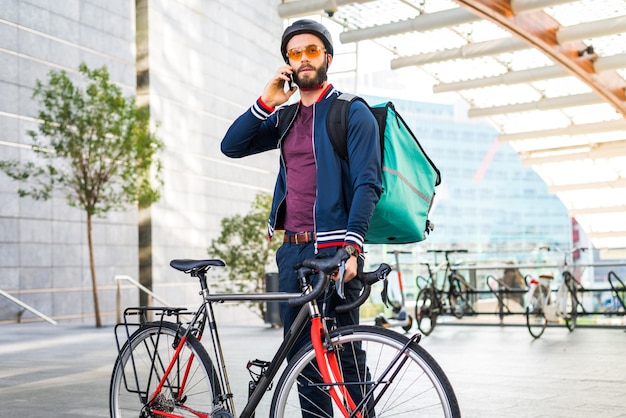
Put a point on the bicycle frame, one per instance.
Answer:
(443, 293)
(325, 353)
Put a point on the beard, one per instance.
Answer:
(311, 81)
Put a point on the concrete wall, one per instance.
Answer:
(43, 253)
(206, 62)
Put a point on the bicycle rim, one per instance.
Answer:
(426, 311)
(535, 319)
(415, 385)
(135, 376)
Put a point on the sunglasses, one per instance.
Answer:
(311, 51)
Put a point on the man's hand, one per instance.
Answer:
(350, 270)
(274, 93)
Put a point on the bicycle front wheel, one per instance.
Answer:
(190, 388)
(535, 317)
(459, 297)
(383, 372)
(570, 312)
(426, 311)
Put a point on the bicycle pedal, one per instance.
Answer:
(256, 375)
(258, 363)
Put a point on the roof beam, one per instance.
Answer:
(525, 76)
(309, 7)
(565, 34)
(539, 30)
(570, 130)
(421, 23)
(599, 210)
(432, 21)
(594, 151)
(552, 103)
(607, 234)
(473, 50)
(619, 183)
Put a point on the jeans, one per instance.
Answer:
(287, 256)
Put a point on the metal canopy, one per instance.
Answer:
(550, 75)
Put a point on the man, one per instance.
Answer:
(321, 201)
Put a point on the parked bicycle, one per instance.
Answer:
(455, 295)
(542, 308)
(163, 370)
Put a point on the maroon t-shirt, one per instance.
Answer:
(300, 164)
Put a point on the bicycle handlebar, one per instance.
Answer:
(368, 279)
(325, 267)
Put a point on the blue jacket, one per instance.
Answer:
(347, 191)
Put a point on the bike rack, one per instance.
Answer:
(27, 307)
(118, 297)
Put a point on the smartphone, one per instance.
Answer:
(290, 82)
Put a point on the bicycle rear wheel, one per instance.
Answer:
(535, 317)
(142, 362)
(426, 311)
(391, 380)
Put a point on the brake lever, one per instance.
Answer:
(383, 293)
(339, 284)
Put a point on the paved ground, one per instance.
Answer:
(63, 371)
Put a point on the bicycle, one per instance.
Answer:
(163, 370)
(433, 301)
(541, 308)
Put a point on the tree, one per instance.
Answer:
(248, 253)
(98, 150)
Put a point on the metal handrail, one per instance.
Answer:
(27, 307)
(118, 279)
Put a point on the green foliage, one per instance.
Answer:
(93, 144)
(248, 253)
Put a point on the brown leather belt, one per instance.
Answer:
(300, 238)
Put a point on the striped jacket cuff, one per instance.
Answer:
(260, 110)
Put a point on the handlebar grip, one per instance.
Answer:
(368, 279)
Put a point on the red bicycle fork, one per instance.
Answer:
(329, 368)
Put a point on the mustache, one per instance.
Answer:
(305, 67)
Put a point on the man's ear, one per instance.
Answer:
(329, 60)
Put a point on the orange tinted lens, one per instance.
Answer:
(294, 54)
(311, 51)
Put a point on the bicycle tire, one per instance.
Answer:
(129, 392)
(419, 388)
(458, 296)
(426, 310)
(536, 321)
(571, 303)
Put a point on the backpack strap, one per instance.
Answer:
(337, 123)
(285, 117)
